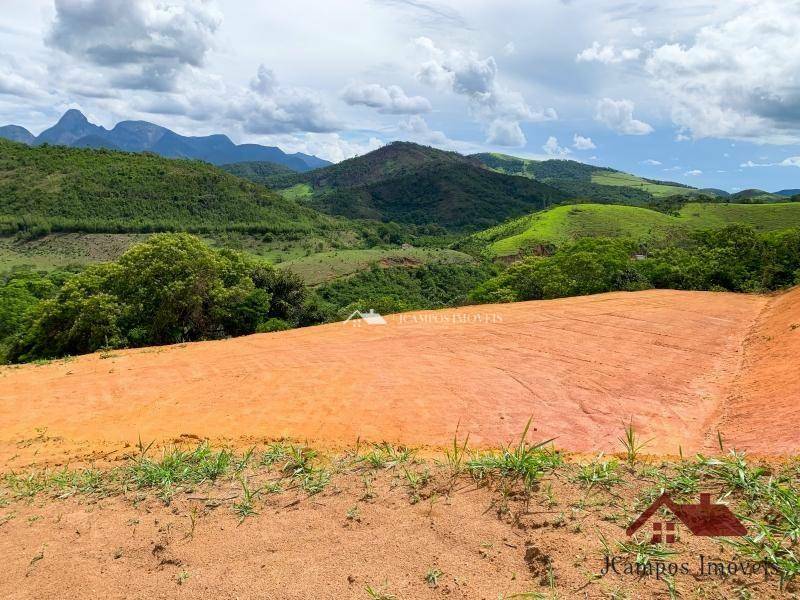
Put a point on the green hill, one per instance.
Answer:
(417, 185)
(560, 224)
(756, 196)
(258, 171)
(579, 180)
(102, 190)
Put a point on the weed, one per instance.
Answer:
(672, 588)
(315, 481)
(376, 594)
(632, 444)
(244, 508)
(432, 576)
(599, 473)
(299, 461)
(386, 456)
(644, 552)
(179, 467)
(244, 460)
(454, 457)
(550, 496)
(735, 473)
(524, 462)
(274, 453)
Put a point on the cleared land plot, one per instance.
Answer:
(62, 249)
(325, 266)
(579, 366)
(627, 180)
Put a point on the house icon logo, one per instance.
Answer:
(704, 519)
(370, 318)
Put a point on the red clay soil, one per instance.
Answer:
(762, 413)
(581, 367)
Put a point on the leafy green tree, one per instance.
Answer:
(171, 288)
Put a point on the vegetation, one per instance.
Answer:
(655, 188)
(326, 266)
(172, 288)
(55, 188)
(734, 258)
(258, 171)
(398, 289)
(416, 185)
(586, 182)
(541, 232)
(281, 476)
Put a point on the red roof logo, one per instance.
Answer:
(704, 519)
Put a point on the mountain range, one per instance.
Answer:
(75, 130)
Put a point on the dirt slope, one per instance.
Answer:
(579, 366)
(762, 413)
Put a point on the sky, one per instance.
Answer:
(704, 93)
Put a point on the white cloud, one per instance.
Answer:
(500, 109)
(737, 78)
(792, 161)
(265, 107)
(330, 146)
(142, 44)
(509, 49)
(552, 148)
(651, 162)
(583, 143)
(693, 173)
(618, 115)
(607, 54)
(388, 100)
(638, 30)
(417, 130)
(268, 107)
(13, 84)
(505, 132)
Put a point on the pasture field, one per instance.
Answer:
(570, 222)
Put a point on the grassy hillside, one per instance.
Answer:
(565, 223)
(417, 185)
(756, 196)
(101, 190)
(327, 266)
(657, 189)
(761, 217)
(579, 180)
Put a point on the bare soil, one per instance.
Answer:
(680, 365)
(485, 541)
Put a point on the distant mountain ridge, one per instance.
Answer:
(74, 129)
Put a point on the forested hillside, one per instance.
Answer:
(586, 182)
(418, 185)
(100, 190)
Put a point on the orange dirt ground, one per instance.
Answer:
(681, 364)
